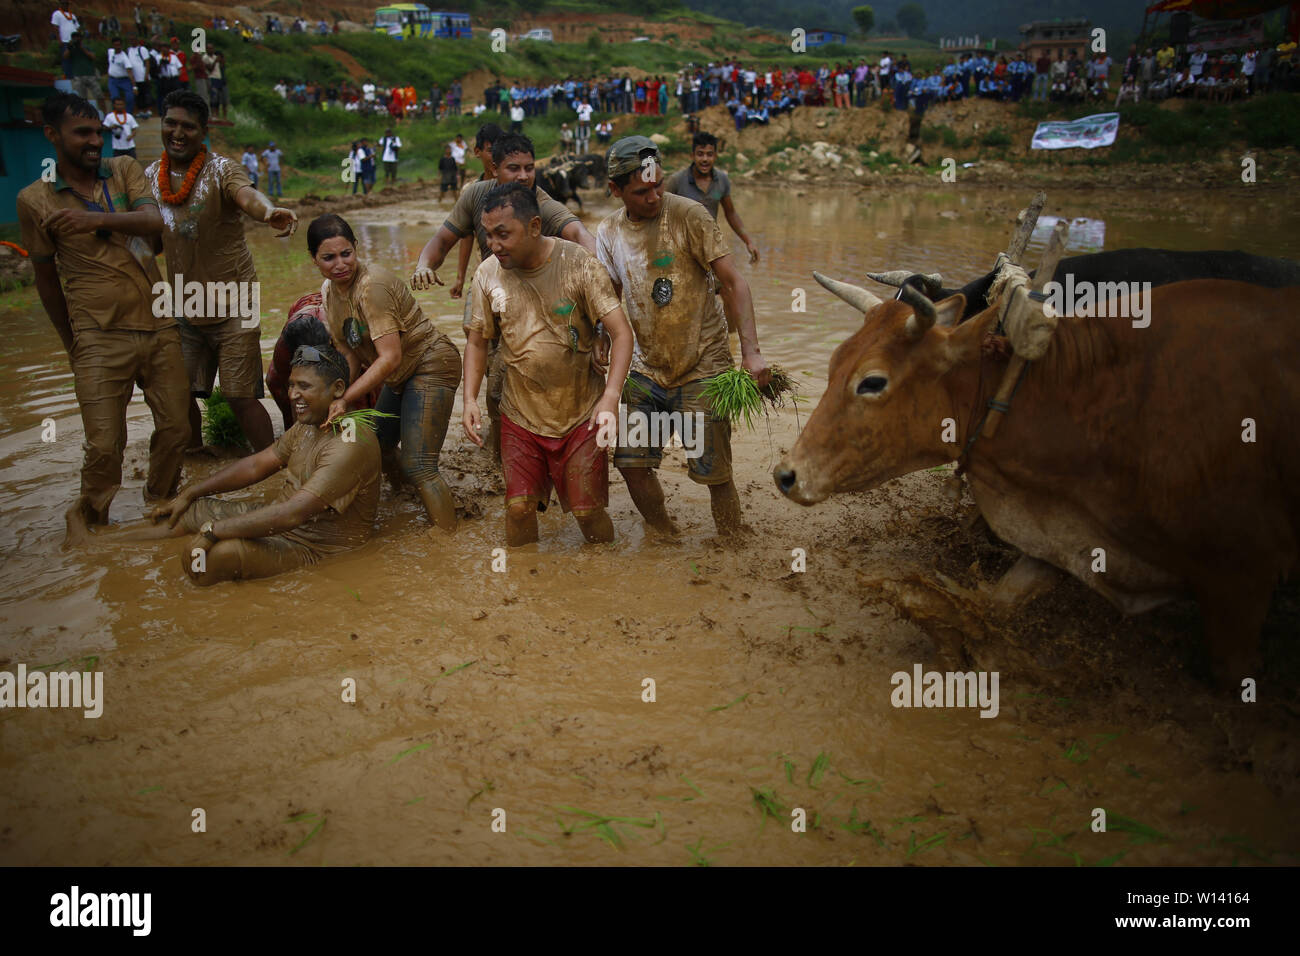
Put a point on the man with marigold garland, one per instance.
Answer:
(201, 196)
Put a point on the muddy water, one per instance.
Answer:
(523, 691)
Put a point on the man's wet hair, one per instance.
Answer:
(623, 179)
(331, 367)
(188, 101)
(487, 134)
(703, 139)
(521, 200)
(58, 105)
(509, 144)
(328, 226)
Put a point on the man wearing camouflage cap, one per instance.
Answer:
(659, 249)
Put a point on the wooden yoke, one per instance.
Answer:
(1028, 343)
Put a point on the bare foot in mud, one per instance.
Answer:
(665, 532)
(733, 538)
(78, 530)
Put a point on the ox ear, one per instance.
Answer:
(949, 311)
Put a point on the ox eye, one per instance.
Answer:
(872, 385)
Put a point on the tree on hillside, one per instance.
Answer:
(911, 18)
(865, 18)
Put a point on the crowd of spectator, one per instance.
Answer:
(140, 72)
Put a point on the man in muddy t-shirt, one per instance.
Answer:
(202, 198)
(327, 504)
(659, 249)
(542, 297)
(85, 232)
(513, 156)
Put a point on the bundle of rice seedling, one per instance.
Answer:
(221, 429)
(735, 395)
(368, 417)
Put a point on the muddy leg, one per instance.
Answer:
(725, 504)
(648, 496)
(596, 526)
(521, 522)
(196, 428)
(254, 420)
(220, 564)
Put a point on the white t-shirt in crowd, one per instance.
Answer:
(457, 153)
(138, 72)
(885, 63)
(123, 126)
(119, 64)
(67, 23)
(584, 113)
(516, 114)
(368, 92)
(391, 145)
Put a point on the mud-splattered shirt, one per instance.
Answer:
(107, 281)
(467, 214)
(379, 303)
(546, 321)
(203, 238)
(343, 474)
(663, 265)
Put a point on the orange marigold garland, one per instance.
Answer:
(187, 187)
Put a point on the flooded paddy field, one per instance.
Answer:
(523, 690)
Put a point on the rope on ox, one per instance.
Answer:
(1026, 325)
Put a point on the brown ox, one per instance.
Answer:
(1121, 438)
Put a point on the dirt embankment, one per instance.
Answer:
(874, 146)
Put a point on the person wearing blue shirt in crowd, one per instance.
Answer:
(902, 87)
(741, 116)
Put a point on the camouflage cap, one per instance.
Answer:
(625, 155)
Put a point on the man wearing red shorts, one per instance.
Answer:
(542, 298)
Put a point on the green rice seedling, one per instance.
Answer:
(735, 395)
(635, 391)
(368, 417)
(914, 848)
(221, 429)
(697, 852)
(818, 770)
(768, 804)
(310, 836)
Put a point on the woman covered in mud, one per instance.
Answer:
(378, 326)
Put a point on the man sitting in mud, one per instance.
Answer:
(327, 505)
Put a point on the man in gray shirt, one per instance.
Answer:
(710, 186)
(272, 157)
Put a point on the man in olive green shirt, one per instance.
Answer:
(85, 232)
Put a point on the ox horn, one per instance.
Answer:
(856, 296)
(933, 281)
(923, 315)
